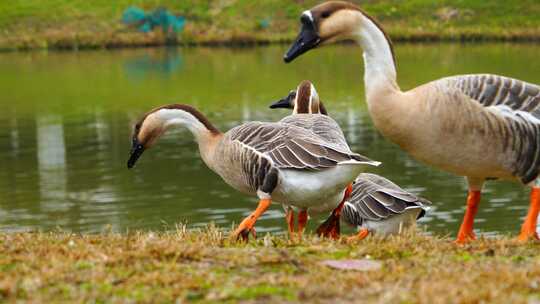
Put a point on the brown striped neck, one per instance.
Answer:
(314, 108)
(307, 100)
(303, 100)
(156, 122)
(322, 109)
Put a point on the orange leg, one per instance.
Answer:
(528, 229)
(289, 217)
(346, 196)
(247, 225)
(466, 233)
(362, 234)
(302, 220)
(330, 227)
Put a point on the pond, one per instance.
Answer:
(66, 121)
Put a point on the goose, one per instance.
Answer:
(479, 126)
(274, 161)
(375, 205)
(306, 102)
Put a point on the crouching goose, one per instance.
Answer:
(275, 161)
(375, 204)
(477, 126)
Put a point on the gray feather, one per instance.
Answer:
(291, 147)
(375, 198)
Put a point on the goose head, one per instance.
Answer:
(155, 123)
(303, 100)
(323, 24)
(286, 102)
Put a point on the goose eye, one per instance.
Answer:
(325, 14)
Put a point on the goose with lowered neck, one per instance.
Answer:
(275, 161)
(375, 204)
(478, 126)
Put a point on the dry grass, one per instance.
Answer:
(203, 266)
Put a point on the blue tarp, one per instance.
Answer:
(160, 17)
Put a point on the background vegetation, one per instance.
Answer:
(96, 24)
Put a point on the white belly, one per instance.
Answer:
(317, 191)
(393, 225)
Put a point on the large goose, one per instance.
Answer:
(477, 126)
(376, 204)
(275, 161)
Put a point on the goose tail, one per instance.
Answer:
(357, 159)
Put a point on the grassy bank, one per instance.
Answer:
(96, 24)
(203, 266)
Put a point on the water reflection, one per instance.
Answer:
(14, 135)
(51, 163)
(64, 158)
(161, 62)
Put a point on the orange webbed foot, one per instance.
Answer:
(362, 234)
(528, 229)
(465, 237)
(330, 228)
(466, 233)
(247, 226)
(244, 230)
(526, 236)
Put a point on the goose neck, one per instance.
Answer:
(379, 63)
(206, 135)
(194, 121)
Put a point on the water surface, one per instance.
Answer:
(66, 121)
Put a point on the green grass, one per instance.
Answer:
(80, 23)
(205, 266)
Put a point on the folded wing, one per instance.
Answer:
(291, 147)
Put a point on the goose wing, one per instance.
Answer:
(513, 112)
(322, 125)
(376, 198)
(494, 90)
(291, 147)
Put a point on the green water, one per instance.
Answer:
(66, 118)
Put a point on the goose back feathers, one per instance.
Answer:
(375, 198)
(322, 125)
(288, 146)
(494, 90)
(257, 148)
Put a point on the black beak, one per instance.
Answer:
(137, 150)
(284, 103)
(306, 40)
(281, 104)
